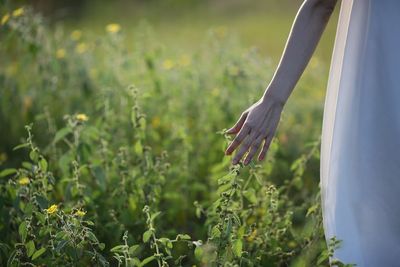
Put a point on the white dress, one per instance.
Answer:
(360, 150)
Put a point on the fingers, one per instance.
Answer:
(268, 139)
(254, 147)
(238, 125)
(267, 142)
(245, 147)
(238, 139)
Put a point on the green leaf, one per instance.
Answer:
(226, 178)
(163, 240)
(38, 253)
(198, 212)
(198, 253)
(64, 162)
(183, 237)
(21, 146)
(312, 209)
(250, 194)
(27, 165)
(43, 164)
(147, 260)
(241, 231)
(41, 218)
(136, 261)
(133, 249)
(215, 232)
(28, 209)
(61, 235)
(153, 216)
(223, 188)
(92, 237)
(298, 182)
(23, 231)
(237, 247)
(42, 201)
(228, 229)
(61, 134)
(236, 219)
(142, 123)
(34, 156)
(138, 148)
(297, 163)
(119, 248)
(147, 235)
(62, 244)
(166, 242)
(324, 256)
(30, 248)
(7, 172)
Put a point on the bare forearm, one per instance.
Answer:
(304, 36)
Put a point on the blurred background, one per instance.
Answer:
(264, 24)
(128, 100)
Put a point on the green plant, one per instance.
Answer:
(108, 161)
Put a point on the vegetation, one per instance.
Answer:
(121, 160)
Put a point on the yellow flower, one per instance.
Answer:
(24, 181)
(5, 18)
(81, 48)
(27, 104)
(184, 61)
(18, 12)
(60, 53)
(80, 213)
(52, 209)
(168, 64)
(252, 236)
(82, 117)
(221, 31)
(113, 28)
(292, 244)
(76, 35)
(155, 122)
(3, 157)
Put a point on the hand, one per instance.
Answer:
(255, 127)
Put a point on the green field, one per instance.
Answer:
(112, 143)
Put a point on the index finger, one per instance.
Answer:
(238, 139)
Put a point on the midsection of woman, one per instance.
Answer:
(360, 166)
(360, 159)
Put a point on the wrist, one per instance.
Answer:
(271, 96)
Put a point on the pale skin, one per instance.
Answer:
(257, 124)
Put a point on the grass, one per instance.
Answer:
(112, 151)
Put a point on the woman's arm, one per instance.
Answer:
(258, 123)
